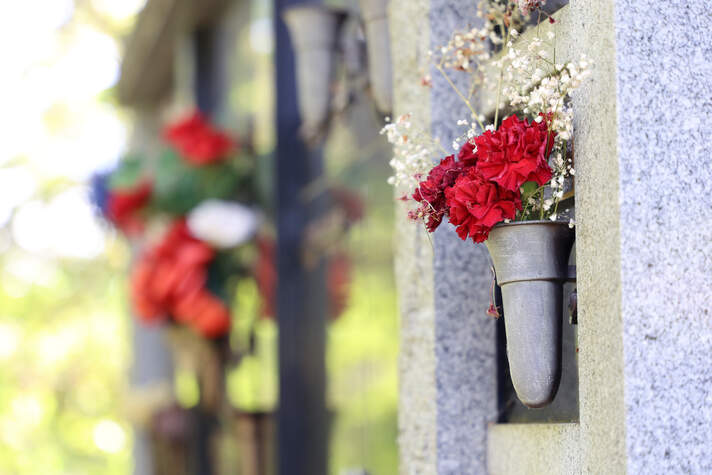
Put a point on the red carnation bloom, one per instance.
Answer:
(431, 192)
(468, 154)
(169, 281)
(198, 141)
(515, 153)
(476, 205)
(124, 204)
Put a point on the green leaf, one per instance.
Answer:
(179, 186)
(130, 171)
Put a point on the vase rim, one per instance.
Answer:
(538, 221)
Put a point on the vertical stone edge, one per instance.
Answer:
(664, 85)
(151, 368)
(598, 247)
(417, 414)
(465, 346)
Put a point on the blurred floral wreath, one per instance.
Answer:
(194, 209)
(194, 212)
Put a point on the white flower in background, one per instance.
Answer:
(223, 224)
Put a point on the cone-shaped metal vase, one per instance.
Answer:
(314, 31)
(378, 43)
(531, 262)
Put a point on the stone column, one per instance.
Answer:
(151, 374)
(465, 343)
(447, 367)
(644, 206)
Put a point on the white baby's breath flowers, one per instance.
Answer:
(412, 152)
(223, 224)
(530, 80)
(528, 6)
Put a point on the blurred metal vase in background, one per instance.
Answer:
(315, 32)
(375, 17)
(531, 263)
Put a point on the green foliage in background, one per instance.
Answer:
(179, 186)
(63, 360)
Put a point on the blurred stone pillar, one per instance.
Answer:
(151, 381)
(151, 374)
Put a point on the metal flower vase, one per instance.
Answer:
(378, 43)
(531, 264)
(314, 31)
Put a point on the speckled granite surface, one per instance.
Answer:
(664, 68)
(464, 334)
(417, 413)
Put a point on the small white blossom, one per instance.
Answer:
(223, 224)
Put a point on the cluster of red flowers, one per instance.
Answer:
(198, 141)
(123, 205)
(482, 187)
(169, 281)
(338, 277)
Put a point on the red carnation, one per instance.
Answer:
(516, 153)
(124, 204)
(476, 205)
(431, 192)
(198, 141)
(468, 154)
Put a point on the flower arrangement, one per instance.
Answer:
(510, 168)
(194, 211)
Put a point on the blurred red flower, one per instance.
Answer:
(168, 281)
(338, 278)
(349, 202)
(265, 272)
(197, 141)
(123, 206)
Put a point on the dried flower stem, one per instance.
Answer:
(464, 99)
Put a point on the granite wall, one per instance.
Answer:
(465, 343)
(664, 98)
(448, 384)
(417, 419)
(644, 257)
